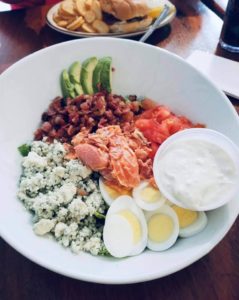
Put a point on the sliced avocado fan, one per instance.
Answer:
(94, 75)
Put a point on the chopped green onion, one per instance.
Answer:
(99, 215)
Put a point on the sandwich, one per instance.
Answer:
(131, 15)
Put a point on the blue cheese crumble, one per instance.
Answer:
(63, 197)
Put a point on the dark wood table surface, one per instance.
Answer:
(216, 276)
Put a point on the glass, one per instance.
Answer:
(229, 39)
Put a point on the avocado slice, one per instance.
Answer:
(96, 75)
(74, 75)
(78, 89)
(74, 72)
(106, 75)
(66, 86)
(88, 67)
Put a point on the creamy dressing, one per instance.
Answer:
(197, 172)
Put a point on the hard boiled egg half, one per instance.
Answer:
(163, 228)
(190, 222)
(125, 230)
(109, 193)
(147, 197)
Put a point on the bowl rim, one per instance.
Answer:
(138, 277)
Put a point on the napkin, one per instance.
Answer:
(223, 72)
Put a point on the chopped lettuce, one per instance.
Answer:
(24, 149)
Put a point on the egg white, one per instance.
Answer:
(161, 246)
(118, 244)
(195, 227)
(148, 206)
(104, 193)
(113, 232)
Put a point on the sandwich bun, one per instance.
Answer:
(125, 9)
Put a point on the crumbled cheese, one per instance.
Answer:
(59, 229)
(78, 209)
(33, 160)
(76, 169)
(32, 185)
(48, 188)
(94, 202)
(93, 245)
(43, 226)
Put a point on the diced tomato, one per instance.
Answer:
(158, 113)
(158, 123)
(173, 124)
(185, 121)
(152, 130)
(146, 114)
(148, 104)
(154, 148)
(162, 113)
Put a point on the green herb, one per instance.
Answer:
(104, 252)
(99, 215)
(24, 149)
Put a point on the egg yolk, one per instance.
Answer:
(150, 194)
(114, 193)
(160, 228)
(185, 217)
(155, 12)
(134, 223)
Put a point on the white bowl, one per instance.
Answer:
(199, 134)
(26, 90)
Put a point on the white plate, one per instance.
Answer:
(26, 91)
(52, 24)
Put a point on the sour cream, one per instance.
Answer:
(196, 172)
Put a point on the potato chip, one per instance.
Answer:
(100, 26)
(62, 23)
(88, 4)
(97, 9)
(57, 18)
(76, 23)
(80, 7)
(89, 16)
(67, 8)
(88, 28)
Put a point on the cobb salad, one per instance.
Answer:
(87, 177)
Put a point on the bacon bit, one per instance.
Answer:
(86, 111)
(81, 192)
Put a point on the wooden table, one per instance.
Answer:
(216, 276)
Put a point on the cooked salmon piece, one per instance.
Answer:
(92, 156)
(110, 151)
